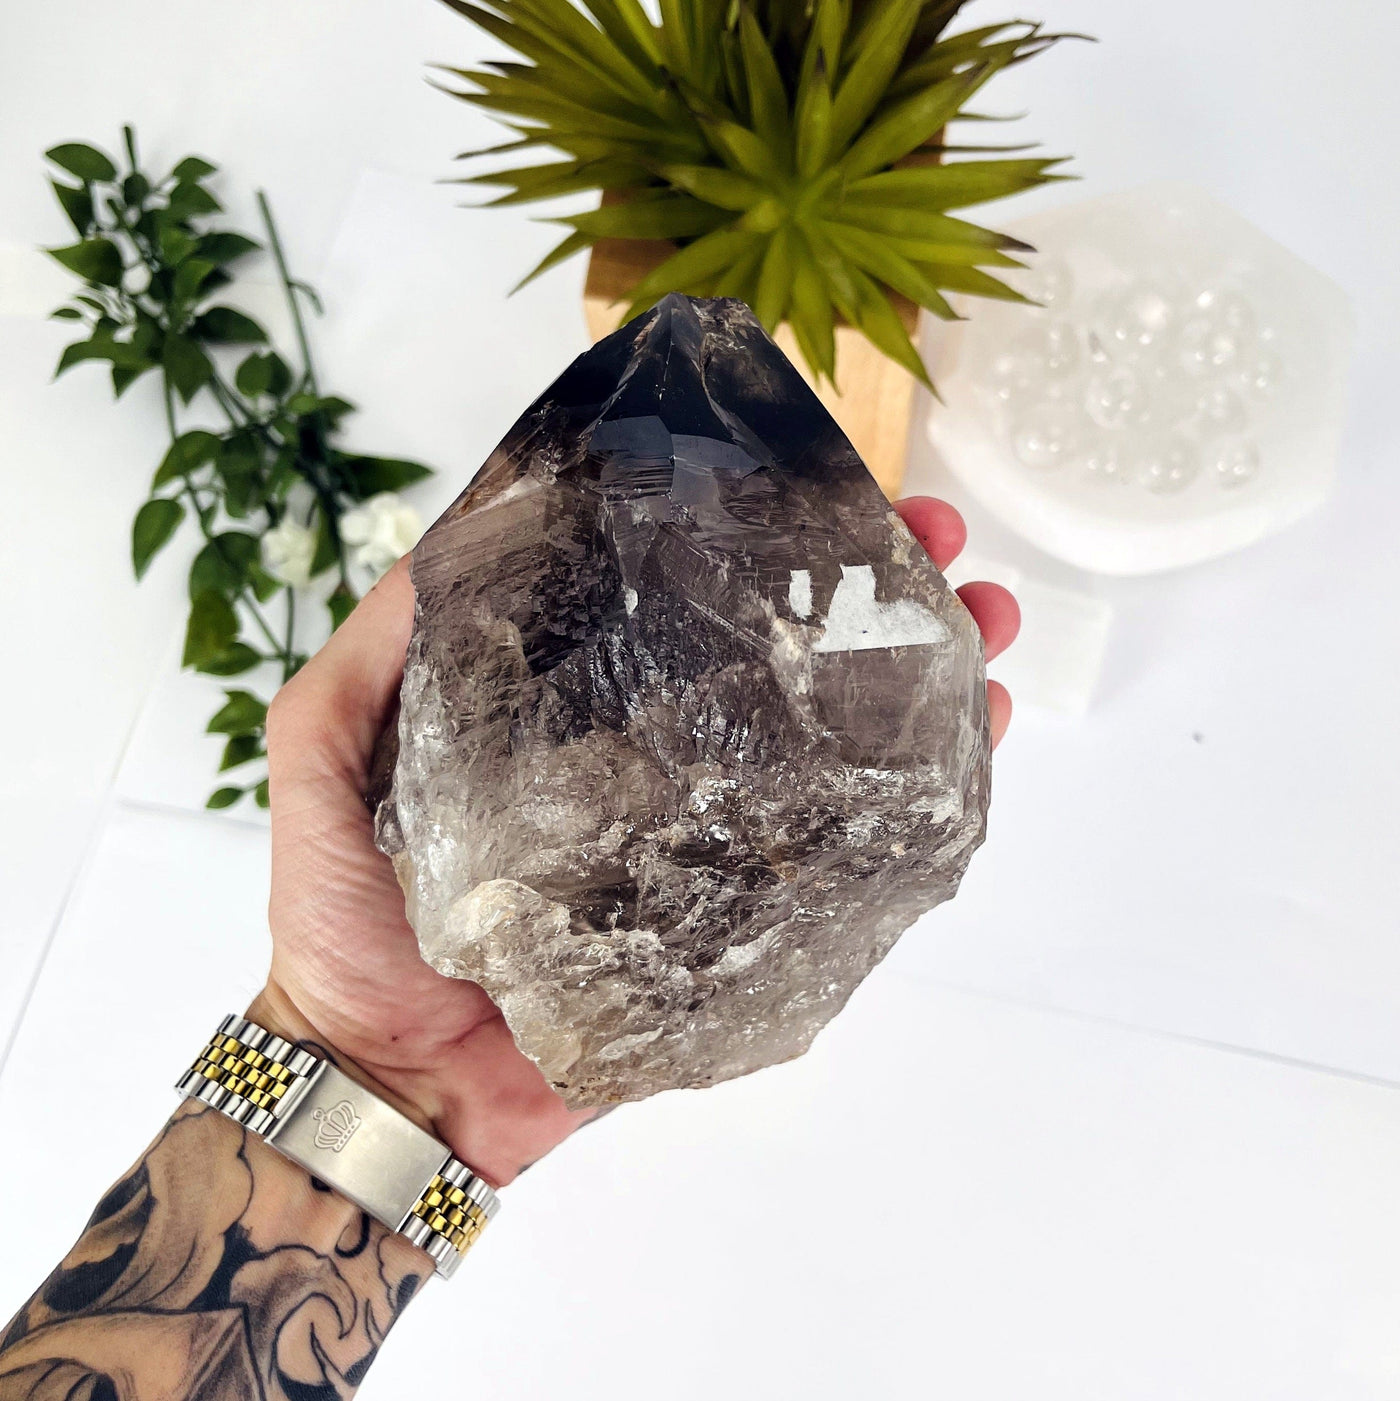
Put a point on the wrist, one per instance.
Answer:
(274, 1078)
(274, 1009)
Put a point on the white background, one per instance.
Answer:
(1124, 1119)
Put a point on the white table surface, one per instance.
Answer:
(1127, 1110)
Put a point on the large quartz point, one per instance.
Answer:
(691, 728)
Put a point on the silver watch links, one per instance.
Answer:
(341, 1133)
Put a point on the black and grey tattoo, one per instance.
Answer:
(213, 1271)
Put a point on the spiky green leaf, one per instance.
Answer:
(668, 216)
(880, 322)
(909, 124)
(874, 255)
(695, 264)
(565, 248)
(877, 58)
(937, 188)
(789, 146)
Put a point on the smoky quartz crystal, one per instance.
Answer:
(691, 728)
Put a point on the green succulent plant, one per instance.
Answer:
(793, 151)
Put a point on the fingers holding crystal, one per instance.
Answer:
(940, 529)
(996, 613)
(327, 719)
(998, 710)
(998, 616)
(936, 525)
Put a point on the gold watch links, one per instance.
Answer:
(312, 1112)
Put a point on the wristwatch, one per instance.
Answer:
(341, 1133)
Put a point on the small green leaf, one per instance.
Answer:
(244, 714)
(284, 475)
(77, 205)
(241, 749)
(176, 244)
(263, 374)
(212, 628)
(223, 564)
(189, 201)
(281, 375)
(224, 797)
(135, 188)
(254, 376)
(149, 224)
(331, 409)
(263, 584)
(124, 376)
(100, 347)
(215, 282)
(225, 247)
(327, 551)
(187, 454)
(155, 523)
(191, 169)
(232, 661)
(86, 162)
(188, 367)
(131, 354)
(239, 465)
(189, 278)
(260, 795)
(222, 325)
(371, 475)
(66, 313)
(341, 604)
(95, 259)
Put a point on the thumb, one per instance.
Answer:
(324, 723)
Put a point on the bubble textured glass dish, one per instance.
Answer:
(1179, 393)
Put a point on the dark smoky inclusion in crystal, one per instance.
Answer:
(691, 728)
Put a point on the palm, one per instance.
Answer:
(345, 957)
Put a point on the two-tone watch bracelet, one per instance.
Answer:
(341, 1133)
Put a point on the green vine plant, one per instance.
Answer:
(280, 510)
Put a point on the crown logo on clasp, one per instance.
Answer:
(335, 1125)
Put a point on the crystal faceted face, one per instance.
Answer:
(691, 728)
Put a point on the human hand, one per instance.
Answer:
(346, 971)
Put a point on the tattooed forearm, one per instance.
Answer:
(216, 1270)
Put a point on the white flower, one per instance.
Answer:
(287, 552)
(381, 529)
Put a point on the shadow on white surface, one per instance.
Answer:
(947, 1196)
